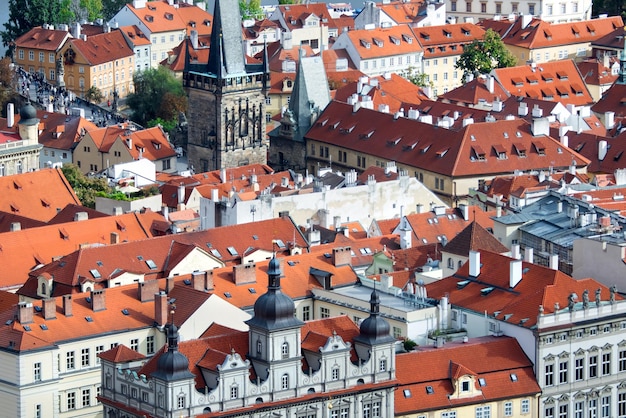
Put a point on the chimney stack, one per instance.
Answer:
(16, 226)
(10, 115)
(147, 289)
(244, 273)
(474, 263)
(160, 309)
(67, 305)
(554, 261)
(515, 253)
(515, 273)
(80, 216)
(25, 313)
(49, 308)
(209, 280)
(98, 303)
(342, 256)
(198, 280)
(169, 284)
(528, 254)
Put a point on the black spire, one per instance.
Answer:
(226, 56)
(266, 67)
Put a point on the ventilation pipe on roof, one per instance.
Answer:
(602, 149)
(498, 211)
(497, 105)
(609, 119)
(490, 83)
(15, 226)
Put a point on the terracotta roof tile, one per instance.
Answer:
(121, 354)
(44, 39)
(383, 42)
(105, 47)
(474, 238)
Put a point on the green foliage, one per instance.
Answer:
(94, 95)
(87, 189)
(167, 125)
(482, 56)
(111, 7)
(93, 9)
(26, 14)
(409, 344)
(7, 93)
(417, 78)
(158, 94)
(251, 9)
(286, 2)
(610, 7)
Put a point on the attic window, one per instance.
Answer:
(465, 31)
(407, 38)
(618, 156)
(252, 290)
(411, 146)
(346, 130)
(95, 273)
(228, 295)
(367, 135)
(149, 18)
(88, 319)
(485, 291)
(169, 16)
(45, 203)
(43, 327)
(482, 381)
(216, 253)
(17, 185)
(280, 243)
(26, 328)
(394, 40)
(479, 154)
(64, 234)
(521, 149)
(547, 34)
(447, 34)
(255, 237)
(540, 148)
(125, 312)
(379, 42)
(425, 149)
(518, 82)
(429, 390)
(151, 264)
(561, 75)
(407, 393)
(462, 284)
(500, 151)
(395, 141)
(425, 36)
(366, 44)
(140, 257)
(442, 152)
(120, 225)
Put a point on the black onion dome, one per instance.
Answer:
(28, 115)
(374, 329)
(274, 309)
(172, 364)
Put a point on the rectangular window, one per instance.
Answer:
(579, 369)
(453, 6)
(99, 349)
(563, 372)
(38, 411)
(324, 312)
(166, 164)
(397, 332)
(37, 372)
(134, 344)
(31, 56)
(578, 410)
(498, 8)
(86, 397)
(525, 406)
(531, 9)
(335, 374)
(150, 344)
(593, 367)
(468, 6)
(508, 409)
(306, 313)
(234, 392)
(84, 357)
(592, 411)
(483, 7)
(382, 365)
(549, 375)
(606, 364)
(563, 411)
(41, 55)
(549, 412)
(605, 411)
(71, 401)
(69, 360)
(483, 411)
(621, 405)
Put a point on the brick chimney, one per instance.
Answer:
(169, 284)
(67, 305)
(49, 308)
(25, 312)
(244, 273)
(160, 309)
(147, 289)
(209, 280)
(198, 280)
(342, 256)
(98, 303)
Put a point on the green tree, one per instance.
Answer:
(94, 95)
(251, 9)
(158, 94)
(87, 189)
(417, 78)
(7, 92)
(111, 7)
(27, 14)
(93, 9)
(610, 7)
(482, 56)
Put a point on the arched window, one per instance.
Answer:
(284, 350)
(460, 264)
(19, 167)
(1, 169)
(284, 382)
(43, 288)
(450, 263)
(259, 347)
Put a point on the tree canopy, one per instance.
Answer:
(251, 9)
(86, 189)
(482, 56)
(158, 94)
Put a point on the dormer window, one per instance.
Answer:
(407, 38)
(394, 40)
(447, 34)
(379, 42)
(521, 150)
(540, 148)
(478, 153)
(169, 16)
(366, 44)
(465, 386)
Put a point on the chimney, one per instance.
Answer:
(25, 312)
(515, 253)
(223, 175)
(49, 308)
(540, 126)
(554, 261)
(528, 254)
(198, 280)
(602, 149)
(244, 273)
(117, 211)
(336, 222)
(609, 119)
(342, 256)
(80, 216)
(498, 211)
(209, 280)
(10, 115)
(181, 194)
(193, 36)
(67, 305)
(98, 302)
(474, 263)
(515, 273)
(522, 110)
(16, 226)
(537, 111)
(160, 309)
(166, 211)
(115, 238)
(147, 289)
(490, 83)
(169, 284)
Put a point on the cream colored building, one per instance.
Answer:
(548, 10)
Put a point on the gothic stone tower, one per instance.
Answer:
(226, 99)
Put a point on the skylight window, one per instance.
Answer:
(95, 273)
(228, 295)
(88, 319)
(482, 382)
(232, 251)
(280, 243)
(429, 390)
(216, 253)
(513, 377)
(407, 393)
(252, 290)
(125, 312)
(151, 264)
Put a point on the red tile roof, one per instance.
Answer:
(474, 238)
(613, 100)
(36, 195)
(489, 358)
(102, 48)
(476, 92)
(159, 16)
(447, 40)
(121, 354)
(539, 286)
(134, 35)
(177, 57)
(151, 143)
(383, 42)
(294, 15)
(44, 39)
(558, 81)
